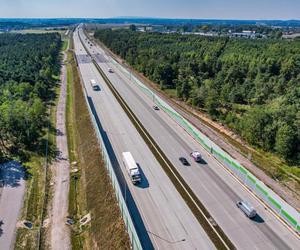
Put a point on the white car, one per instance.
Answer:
(196, 156)
(246, 208)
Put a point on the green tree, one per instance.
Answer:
(285, 141)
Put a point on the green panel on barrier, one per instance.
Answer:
(290, 218)
(235, 165)
(251, 178)
(262, 190)
(227, 160)
(275, 203)
(222, 156)
(244, 171)
(298, 228)
(207, 147)
(216, 152)
(219, 154)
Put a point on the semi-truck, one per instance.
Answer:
(131, 167)
(94, 85)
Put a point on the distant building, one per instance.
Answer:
(249, 32)
(244, 33)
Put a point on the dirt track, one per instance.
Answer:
(59, 231)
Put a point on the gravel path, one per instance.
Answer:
(12, 179)
(59, 231)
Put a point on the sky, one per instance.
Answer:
(198, 9)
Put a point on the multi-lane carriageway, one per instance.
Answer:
(166, 219)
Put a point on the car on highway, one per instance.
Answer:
(155, 107)
(184, 161)
(196, 156)
(110, 70)
(246, 208)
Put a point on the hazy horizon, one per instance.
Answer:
(174, 9)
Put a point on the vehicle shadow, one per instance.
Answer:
(202, 162)
(258, 219)
(11, 174)
(1, 229)
(59, 133)
(132, 207)
(144, 182)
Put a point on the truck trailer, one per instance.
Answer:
(131, 167)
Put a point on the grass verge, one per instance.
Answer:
(90, 187)
(37, 189)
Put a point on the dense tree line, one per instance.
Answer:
(253, 86)
(27, 66)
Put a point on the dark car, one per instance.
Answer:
(184, 161)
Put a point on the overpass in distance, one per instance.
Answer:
(166, 219)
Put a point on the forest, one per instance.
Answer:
(28, 64)
(252, 86)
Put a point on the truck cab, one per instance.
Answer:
(131, 167)
(94, 85)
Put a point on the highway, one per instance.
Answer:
(212, 184)
(162, 218)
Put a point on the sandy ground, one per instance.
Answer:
(59, 232)
(12, 179)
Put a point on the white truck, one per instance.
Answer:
(94, 85)
(131, 167)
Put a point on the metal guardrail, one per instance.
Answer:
(134, 239)
(289, 214)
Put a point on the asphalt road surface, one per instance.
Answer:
(12, 178)
(214, 186)
(162, 218)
